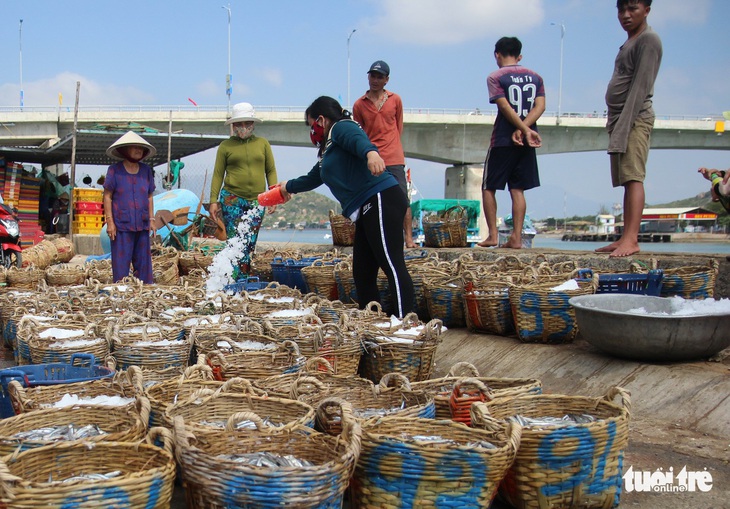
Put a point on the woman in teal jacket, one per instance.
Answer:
(349, 164)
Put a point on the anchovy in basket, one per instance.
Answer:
(90, 477)
(60, 433)
(435, 439)
(266, 459)
(245, 424)
(549, 421)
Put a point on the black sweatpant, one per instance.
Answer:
(379, 244)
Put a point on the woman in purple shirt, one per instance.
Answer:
(128, 206)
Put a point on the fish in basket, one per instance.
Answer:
(572, 448)
(207, 409)
(265, 467)
(134, 475)
(413, 462)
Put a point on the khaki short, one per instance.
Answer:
(631, 165)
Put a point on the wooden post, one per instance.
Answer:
(169, 151)
(73, 166)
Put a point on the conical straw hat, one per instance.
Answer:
(129, 139)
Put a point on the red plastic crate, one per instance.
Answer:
(89, 207)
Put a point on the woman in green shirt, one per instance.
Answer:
(244, 167)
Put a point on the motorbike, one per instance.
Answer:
(10, 250)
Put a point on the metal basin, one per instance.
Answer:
(604, 321)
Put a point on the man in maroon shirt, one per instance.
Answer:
(380, 113)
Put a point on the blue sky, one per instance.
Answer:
(286, 53)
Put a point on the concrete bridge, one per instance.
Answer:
(456, 137)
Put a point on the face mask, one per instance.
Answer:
(316, 134)
(243, 132)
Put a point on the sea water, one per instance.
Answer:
(324, 236)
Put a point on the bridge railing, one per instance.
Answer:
(300, 109)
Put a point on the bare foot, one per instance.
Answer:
(488, 242)
(609, 248)
(625, 249)
(512, 244)
(410, 244)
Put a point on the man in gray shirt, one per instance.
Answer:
(631, 117)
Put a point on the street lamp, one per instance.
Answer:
(20, 46)
(560, 85)
(229, 84)
(348, 66)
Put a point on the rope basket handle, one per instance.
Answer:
(136, 379)
(197, 372)
(350, 427)
(394, 380)
(314, 364)
(19, 396)
(623, 394)
(234, 386)
(463, 369)
(306, 385)
(143, 409)
(162, 435)
(290, 346)
(473, 382)
(378, 309)
(239, 417)
(320, 333)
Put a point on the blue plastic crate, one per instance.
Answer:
(639, 284)
(82, 368)
(279, 273)
(248, 284)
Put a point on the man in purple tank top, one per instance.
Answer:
(511, 161)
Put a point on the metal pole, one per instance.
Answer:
(349, 104)
(560, 84)
(229, 84)
(20, 47)
(73, 164)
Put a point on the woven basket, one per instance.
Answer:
(210, 409)
(442, 388)
(213, 481)
(345, 283)
(228, 337)
(254, 364)
(445, 299)
(543, 315)
(446, 229)
(30, 329)
(64, 274)
(24, 278)
(340, 349)
(320, 278)
(178, 388)
(39, 477)
(118, 422)
(64, 249)
(125, 384)
(197, 259)
(314, 383)
(50, 349)
(399, 468)
(151, 346)
(413, 359)
(383, 401)
(576, 465)
(691, 282)
(486, 305)
(343, 229)
(100, 270)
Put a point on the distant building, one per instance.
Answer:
(670, 219)
(605, 224)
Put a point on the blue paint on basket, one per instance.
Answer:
(112, 497)
(454, 464)
(155, 490)
(586, 460)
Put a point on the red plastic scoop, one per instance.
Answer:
(271, 197)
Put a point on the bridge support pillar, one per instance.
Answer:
(464, 182)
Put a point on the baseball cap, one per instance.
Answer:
(381, 67)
